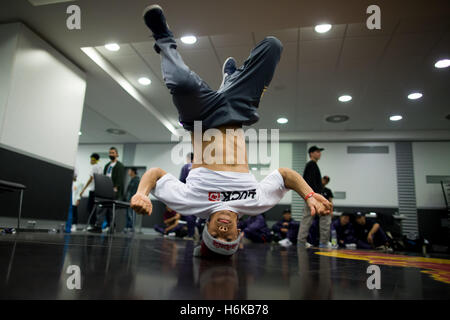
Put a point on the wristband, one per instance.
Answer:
(309, 195)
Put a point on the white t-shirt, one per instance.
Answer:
(207, 191)
(76, 189)
(110, 169)
(97, 169)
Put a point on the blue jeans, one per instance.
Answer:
(236, 102)
(130, 218)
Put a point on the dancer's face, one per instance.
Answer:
(222, 225)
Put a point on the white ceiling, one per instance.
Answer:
(378, 68)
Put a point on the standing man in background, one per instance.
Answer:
(187, 167)
(327, 193)
(76, 188)
(191, 221)
(116, 171)
(314, 232)
(131, 190)
(95, 169)
(313, 178)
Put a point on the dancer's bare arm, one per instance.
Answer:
(317, 203)
(140, 202)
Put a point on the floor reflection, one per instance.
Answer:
(34, 266)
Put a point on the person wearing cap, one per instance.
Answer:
(95, 169)
(286, 228)
(369, 234)
(255, 229)
(344, 230)
(313, 178)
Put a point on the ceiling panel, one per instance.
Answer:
(285, 36)
(361, 30)
(323, 51)
(232, 40)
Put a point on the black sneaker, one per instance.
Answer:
(229, 67)
(154, 19)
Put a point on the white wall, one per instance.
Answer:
(83, 159)
(8, 44)
(45, 101)
(367, 179)
(430, 158)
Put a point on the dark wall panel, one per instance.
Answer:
(434, 225)
(48, 187)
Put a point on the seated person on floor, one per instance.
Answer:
(255, 229)
(369, 234)
(219, 187)
(286, 228)
(171, 224)
(344, 230)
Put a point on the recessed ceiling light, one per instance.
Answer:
(415, 96)
(189, 39)
(395, 118)
(345, 98)
(282, 120)
(337, 118)
(144, 81)
(80, 133)
(443, 63)
(322, 28)
(112, 46)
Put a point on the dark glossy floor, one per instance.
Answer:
(34, 266)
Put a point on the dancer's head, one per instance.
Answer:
(220, 236)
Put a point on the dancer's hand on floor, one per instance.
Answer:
(319, 205)
(141, 204)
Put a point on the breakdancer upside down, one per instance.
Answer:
(219, 191)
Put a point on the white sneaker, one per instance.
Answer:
(74, 228)
(285, 242)
(308, 245)
(105, 230)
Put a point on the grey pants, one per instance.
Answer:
(324, 227)
(233, 103)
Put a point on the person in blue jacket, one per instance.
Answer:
(286, 228)
(255, 229)
(344, 230)
(369, 233)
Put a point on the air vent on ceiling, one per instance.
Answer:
(116, 131)
(367, 149)
(37, 3)
(337, 118)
